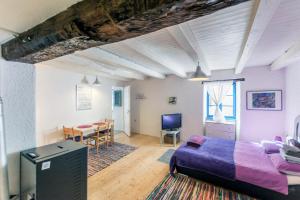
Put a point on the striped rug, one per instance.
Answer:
(106, 156)
(182, 187)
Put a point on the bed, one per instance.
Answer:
(240, 166)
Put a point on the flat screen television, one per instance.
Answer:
(171, 121)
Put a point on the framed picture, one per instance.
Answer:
(83, 97)
(269, 100)
(172, 100)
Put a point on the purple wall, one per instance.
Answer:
(258, 125)
(292, 96)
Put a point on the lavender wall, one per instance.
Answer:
(257, 125)
(292, 96)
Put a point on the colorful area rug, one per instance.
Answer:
(182, 187)
(106, 156)
(166, 157)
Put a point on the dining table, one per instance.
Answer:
(88, 130)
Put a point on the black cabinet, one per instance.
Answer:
(54, 172)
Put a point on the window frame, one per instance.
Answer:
(227, 118)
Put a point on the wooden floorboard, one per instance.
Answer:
(134, 176)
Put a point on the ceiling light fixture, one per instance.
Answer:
(97, 82)
(198, 75)
(84, 81)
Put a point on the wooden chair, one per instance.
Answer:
(72, 134)
(110, 131)
(78, 133)
(100, 136)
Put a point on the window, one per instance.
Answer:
(228, 106)
(118, 98)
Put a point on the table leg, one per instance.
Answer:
(161, 140)
(174, 139)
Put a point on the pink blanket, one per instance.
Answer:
(252, 164)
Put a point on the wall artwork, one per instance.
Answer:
(269, 100)
(172, 100)
(83, 97)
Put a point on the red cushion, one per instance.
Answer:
(84, 126)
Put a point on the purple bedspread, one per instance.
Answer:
(243, 161)
(215, 156)
(254, 166)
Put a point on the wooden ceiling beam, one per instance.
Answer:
(290, 56)
(183, 33)
(153, 54)
(124, 62)
(113, 70)
(79, 68)
(265, 10)
(91, 23)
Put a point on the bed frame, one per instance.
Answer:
(242, 187)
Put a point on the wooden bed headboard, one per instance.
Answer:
(297, 128)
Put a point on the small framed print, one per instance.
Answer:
(172, 100)
(267, 100)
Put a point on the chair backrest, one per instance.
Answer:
(106, 125)
(77, 132)
(110, 123)
(68, 131)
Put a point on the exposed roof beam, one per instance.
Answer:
(153, 54)
(82, 69)
(182, 33)
(290, 56)
(91, 23)
(265, 10)
(127, 63)
(113, 70)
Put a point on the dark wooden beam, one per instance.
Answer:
(97, 22)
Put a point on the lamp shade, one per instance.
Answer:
(198, 75)
(84, 81)
(97, 82)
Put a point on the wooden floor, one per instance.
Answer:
(135, 175)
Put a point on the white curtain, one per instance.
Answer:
(216, 91)
(238, 110)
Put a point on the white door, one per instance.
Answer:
(127, 110)
(118, 108)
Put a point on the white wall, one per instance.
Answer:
(146, 113)
(56, 102)
(118, 112)
(255, 125)
(18, 90)
(292, 96)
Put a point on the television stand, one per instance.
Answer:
(169, 132)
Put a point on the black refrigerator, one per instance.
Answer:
(54, 172)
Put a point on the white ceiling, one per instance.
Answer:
(281, 33)
(217, 41)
